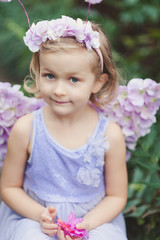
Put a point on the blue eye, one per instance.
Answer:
(50, 76)
(73, 80)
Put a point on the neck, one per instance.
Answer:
(69, 119)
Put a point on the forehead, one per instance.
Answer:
(73, 60)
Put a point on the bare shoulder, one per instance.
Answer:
(22, 127)
(114, 132)
(24, 122)
(17, 150)
(117, 146)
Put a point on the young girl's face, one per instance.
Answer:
(66, 80)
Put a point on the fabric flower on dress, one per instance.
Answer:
(90, 174)
(70, 229)
(89, 177)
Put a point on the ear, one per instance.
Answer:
(100, 82)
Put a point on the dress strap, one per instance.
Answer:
(104, 122)
(33, 130)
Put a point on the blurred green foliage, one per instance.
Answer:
(132, 27)
(143, 208)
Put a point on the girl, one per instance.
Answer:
(67, 156)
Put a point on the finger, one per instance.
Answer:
(52, 213)
(82, 225)
(46, 218)
(60, 234)
(49, 232)
(47, 225)
(68, 237)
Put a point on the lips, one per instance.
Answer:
(60, 102)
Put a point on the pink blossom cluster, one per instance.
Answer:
(13, 104)
(70, 229)
(135, 109)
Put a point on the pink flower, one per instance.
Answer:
(70, 229)
(93, 1)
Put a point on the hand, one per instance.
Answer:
(47, 222)
(83, 225)
(61, 235)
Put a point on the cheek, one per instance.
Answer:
(82, 95)
(44, 91)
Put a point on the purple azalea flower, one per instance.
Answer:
(13, 104)
(135, 109)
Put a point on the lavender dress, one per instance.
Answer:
(69, 180)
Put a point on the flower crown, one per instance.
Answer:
(61, 27)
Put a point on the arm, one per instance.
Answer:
(13, 171)
(116, 182)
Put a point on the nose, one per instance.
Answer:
(59, 89)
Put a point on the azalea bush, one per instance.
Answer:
(135, 109)
(143, 207)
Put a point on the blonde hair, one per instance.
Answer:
(108, 91)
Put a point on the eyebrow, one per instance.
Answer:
(46, 69)
(70, 74)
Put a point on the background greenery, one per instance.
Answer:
(133, 27)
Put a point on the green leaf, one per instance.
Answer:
(149, 139)
(131, 205)
(150, 166)
(139, 211)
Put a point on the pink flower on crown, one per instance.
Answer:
(35, 36)
(86, 34)
(70, 26)
(80, 33)
(41, 31)
(55, 29)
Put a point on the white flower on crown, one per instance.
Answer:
(93, 1)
